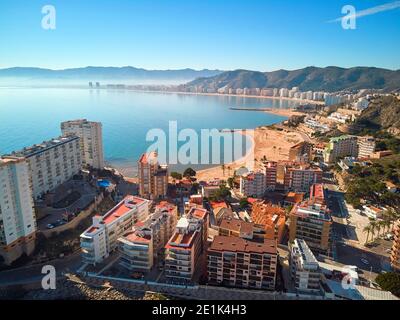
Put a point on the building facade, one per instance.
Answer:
(91, 140)
(140, 247)
(300, 177)
(185, 247)
(236, 262)
(99, 240)
(253, 184)
(304, 268)
(340, 147)
(271, 169)
(311, 222)
(301, 152)
(17, 216)
(395, 256)
(153, 177)
(51, 163)
(366, 146)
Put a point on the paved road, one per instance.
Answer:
(33, 273)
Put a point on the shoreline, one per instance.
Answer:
(226, 95)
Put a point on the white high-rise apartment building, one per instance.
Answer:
(253, 184)
(51, 163)
(17, 216)
(91, 143)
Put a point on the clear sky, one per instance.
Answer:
(260, 35)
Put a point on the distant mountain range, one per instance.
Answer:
(103, 73)
(311, 78)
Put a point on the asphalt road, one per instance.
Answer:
(34, 273)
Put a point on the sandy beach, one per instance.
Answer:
(268, 142)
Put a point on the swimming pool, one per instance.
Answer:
(103, 183)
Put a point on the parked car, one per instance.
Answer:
(365, 261)
(137, 275)
(50, 226)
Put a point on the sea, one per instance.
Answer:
(31, 115)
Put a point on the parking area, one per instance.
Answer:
(52, 214)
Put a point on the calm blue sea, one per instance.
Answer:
(32, 115)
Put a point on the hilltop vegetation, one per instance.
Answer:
(310, 78)
(383, 113)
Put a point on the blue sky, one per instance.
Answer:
(170, 34)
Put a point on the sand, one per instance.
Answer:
(268, 142)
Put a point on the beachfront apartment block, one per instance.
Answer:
(366, 146)
(395, 253)
(100, 239)
(141, 246)
(91, 140)
(17, 216)
(312, 222)
(252, 184)
(153, 177)
(304, 268)
(300, 177)
(340, 147)
(51, 163)
(243, 263)
(185, 247)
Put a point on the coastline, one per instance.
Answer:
(228, 95)
(266, 141)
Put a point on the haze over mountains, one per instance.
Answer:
(310, 78)
(126, 75)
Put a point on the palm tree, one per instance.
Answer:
(378, 228)
(367, 230)
(372, 225)
(223, 169)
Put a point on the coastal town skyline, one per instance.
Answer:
(270, 171)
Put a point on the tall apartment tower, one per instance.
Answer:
(17, 216)
(91, 143)
(395, 256)
(153, 177)
(51, 163)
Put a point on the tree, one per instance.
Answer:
(231, 182)
(223, 169)
(243, 203)
(367, 230)
(176, 175)
(389, 281)
(189, 172)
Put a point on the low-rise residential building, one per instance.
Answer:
(374, 212)
(51, 163)
(140, 247)
(252, 184)
(340, 147)
(237, 262)
(272, 219)
(301, 152)
(366, 146)
(304, 268)
(17, 216)
(99, 240)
